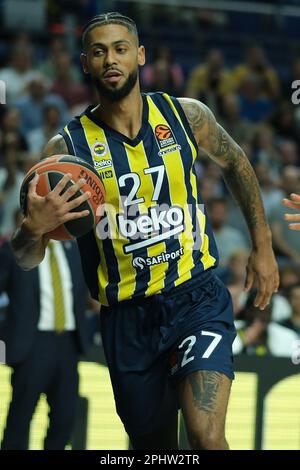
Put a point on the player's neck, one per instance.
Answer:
(124, 116)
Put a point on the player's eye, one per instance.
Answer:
(98, 52)
(121, 50)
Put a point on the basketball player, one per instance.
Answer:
(293, 203)
(167, 320)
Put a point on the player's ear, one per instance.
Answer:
(83, 58)
(141, 55)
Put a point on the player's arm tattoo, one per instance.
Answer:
(235, 167)
(56, 146)
(28, 250)
(205, 387)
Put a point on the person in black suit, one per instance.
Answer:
(44, 332)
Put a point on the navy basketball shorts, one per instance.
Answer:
(151, 344)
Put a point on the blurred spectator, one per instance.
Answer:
(286, 242)
(210, 81)
(254, 106)
(289, 276)
(45, 332)
(31, 106)
(23, 41)
(256, 65)
(13, 147)
(38, 138)
(73, 92)
(228, 239)
(235, 280)
(271, 195)
(12, 142)
(288, 153)
(284, 123)
(10, 183)
(236, 221)
(260, 336)
(239, 129)
(236, 269)
(163, 74)
(12, 139)
(281, 308)
(293, 322)
(18, 74)
(209, 180)
(209, 188)
(162, 78)
(49, 67)
(266, 151)
(252, 334)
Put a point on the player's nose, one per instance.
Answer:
(110, 58)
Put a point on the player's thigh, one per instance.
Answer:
(203, 397)
(203, 370)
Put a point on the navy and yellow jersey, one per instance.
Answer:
(154, 234)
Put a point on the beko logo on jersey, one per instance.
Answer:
(99, 165)
(164, 257)
(151, 228)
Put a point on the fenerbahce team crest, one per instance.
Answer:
(165, 140)
(99, 151)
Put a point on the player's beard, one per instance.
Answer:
(116, 94)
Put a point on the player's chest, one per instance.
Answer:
(143, 173)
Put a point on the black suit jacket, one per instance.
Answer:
(23, 290)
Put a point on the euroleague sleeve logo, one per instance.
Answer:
(163, 132)
(165, 139)
(164, 136)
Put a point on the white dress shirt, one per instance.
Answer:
(47, 313)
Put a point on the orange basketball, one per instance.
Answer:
(51, 171)
(163, 132)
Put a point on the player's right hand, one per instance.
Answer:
(46, 213)
(262, 271)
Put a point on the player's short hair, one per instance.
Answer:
(108, 18)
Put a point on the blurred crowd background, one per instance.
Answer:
(240, 63)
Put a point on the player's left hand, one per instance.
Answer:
(293, 203)
(262, 270)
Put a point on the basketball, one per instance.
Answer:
(51, 171)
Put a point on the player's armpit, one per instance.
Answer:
(55, 146)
